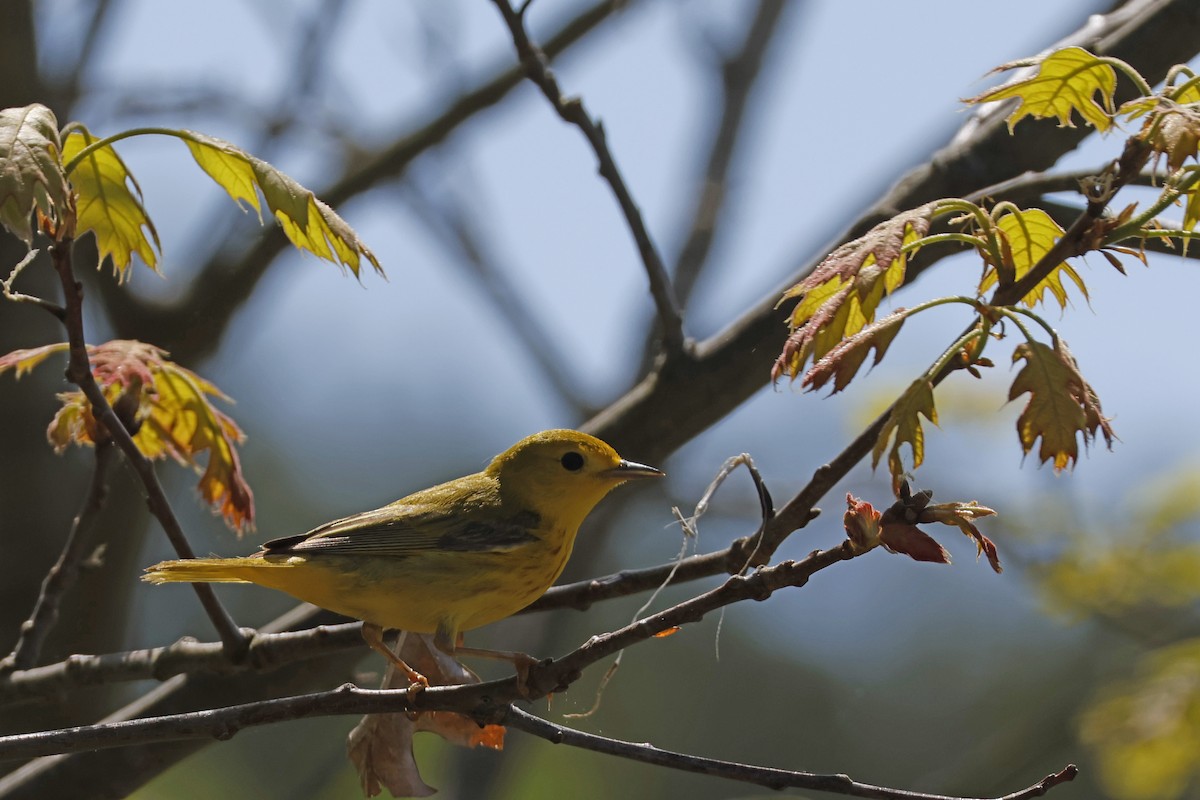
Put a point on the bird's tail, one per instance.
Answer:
(206, 570)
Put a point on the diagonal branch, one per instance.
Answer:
(79, 372)
(192, 326)
(739, 74)
(62, 574)
(571, 109)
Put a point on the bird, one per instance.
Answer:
(443, 560)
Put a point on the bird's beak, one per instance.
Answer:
(626, 470)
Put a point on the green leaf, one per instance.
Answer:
(308, 223)
(30, 169)
(1061, 404)
(109, 204)
(1027, 236)
(904, 424)
(1063, 82)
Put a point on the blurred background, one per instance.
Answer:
(515, 301)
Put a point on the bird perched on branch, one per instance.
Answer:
(446, 559)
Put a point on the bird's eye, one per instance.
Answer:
(572, 461)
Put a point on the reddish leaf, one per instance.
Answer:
(844, 360)
(839, 298)
(167, 408)
(909, 540)
(862, 523)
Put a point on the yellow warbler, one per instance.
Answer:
(445, 559)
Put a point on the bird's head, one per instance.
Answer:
(563, 472)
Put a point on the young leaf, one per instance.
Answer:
(961, 515)
(839, 298)
(168, 410)
(308, 223)
(109, 204)
(844, 360)
(861, 521)
(1061, 404)
(30, 170)
(1064, 81)
(1028, 235)
(905, 423)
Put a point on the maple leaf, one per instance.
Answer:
(380, 746)
(1027, 236)
(31, 175)
(1063, 82)
(307, 222)
(838, 299)
(109, 204)
(844, 360)
(167, 409)
(904, 425)
(1061, 404)
(909, 540)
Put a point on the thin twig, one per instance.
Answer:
(62, 574)
(746, 773)
(738, 74)
(79, 372)
(456, 228)
(194, 324)
(571, 110)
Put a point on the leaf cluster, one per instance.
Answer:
(1026, 259)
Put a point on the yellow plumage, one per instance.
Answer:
(445, 559)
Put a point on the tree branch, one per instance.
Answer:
(745, 773)
(192, 326)
(79, 372)
(571, 110)
(739, 73)
(62, 574)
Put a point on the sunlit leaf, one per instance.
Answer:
(839, 298)
(1028, 236)
(109, 204)
(308, 223)
(1064, 82)
(903, 426)
(962, 516)
(1061, 404)
(167, 407)
(30, 169)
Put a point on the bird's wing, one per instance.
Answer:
(409, 530)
